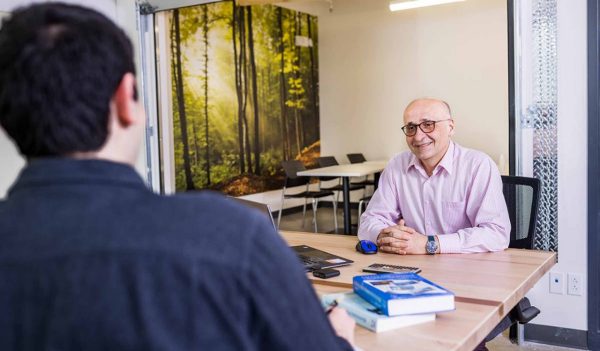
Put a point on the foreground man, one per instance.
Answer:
(90, 259)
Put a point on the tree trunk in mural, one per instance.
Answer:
(181, 105)
(282, 89)
(296, 76)
(205, 81)
(238, 87)
(196, 144)
(313, 72)
(244, 66)
(254, 92)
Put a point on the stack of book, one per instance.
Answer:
(389, 301)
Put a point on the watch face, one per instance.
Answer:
(431, 247)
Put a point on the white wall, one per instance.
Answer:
(565, 310)
(372, 62)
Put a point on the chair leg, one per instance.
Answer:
(315, 203)
(515, 333)
(365, 188)
(335, 223)
(304, 212)
(360, 205)
(520, 334)
(281, 207)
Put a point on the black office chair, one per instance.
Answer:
(522, 196)
(292, 179)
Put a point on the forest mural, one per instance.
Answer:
(245, 95)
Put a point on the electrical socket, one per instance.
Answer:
(557, 285)
(574, 284)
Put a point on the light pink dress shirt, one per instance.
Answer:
(461, 203)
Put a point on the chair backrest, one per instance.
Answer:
(291, 169)
(327, 161)
(356, 158)
(522, 195)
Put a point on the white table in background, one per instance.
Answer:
(345, 172)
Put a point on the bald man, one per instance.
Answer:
(438, 197)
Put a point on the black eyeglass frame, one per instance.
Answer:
(421, 128)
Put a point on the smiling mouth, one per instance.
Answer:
(423, 145)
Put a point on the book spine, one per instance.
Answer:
(357, 312)
(373, 298)
(360, 318)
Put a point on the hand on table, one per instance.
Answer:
(342, 324)
(401, 240)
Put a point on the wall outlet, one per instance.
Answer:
(557, 285)
(574, 284)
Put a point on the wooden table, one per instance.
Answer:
(345, 172)
(487, 286)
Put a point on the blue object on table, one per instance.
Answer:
(366, 247)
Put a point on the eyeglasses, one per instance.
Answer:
(426, 127)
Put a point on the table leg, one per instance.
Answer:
(346, 193)
(376, 177)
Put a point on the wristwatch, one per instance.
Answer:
(431, 246)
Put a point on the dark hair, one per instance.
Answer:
(60, 65)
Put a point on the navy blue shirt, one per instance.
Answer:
(90, 259)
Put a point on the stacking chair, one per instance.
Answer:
(292, 179)
(356, 158)
(328, 161)
(522, 200)
(360, 158)
(364, 202)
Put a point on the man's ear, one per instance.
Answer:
(451, 124)
(125, 100)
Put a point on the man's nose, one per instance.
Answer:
(419, 134)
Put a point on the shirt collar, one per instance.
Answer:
(446, 162)
(68, 171)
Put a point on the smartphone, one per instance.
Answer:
(325, 273)
(390, 268)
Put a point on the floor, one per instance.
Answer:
(325, 224)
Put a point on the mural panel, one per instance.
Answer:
(245, 95)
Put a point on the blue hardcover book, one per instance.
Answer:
(403, 293)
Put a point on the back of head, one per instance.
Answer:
(59, 67)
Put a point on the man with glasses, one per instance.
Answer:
(438, 198)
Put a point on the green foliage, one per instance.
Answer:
(271, 161)
(212, 125)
